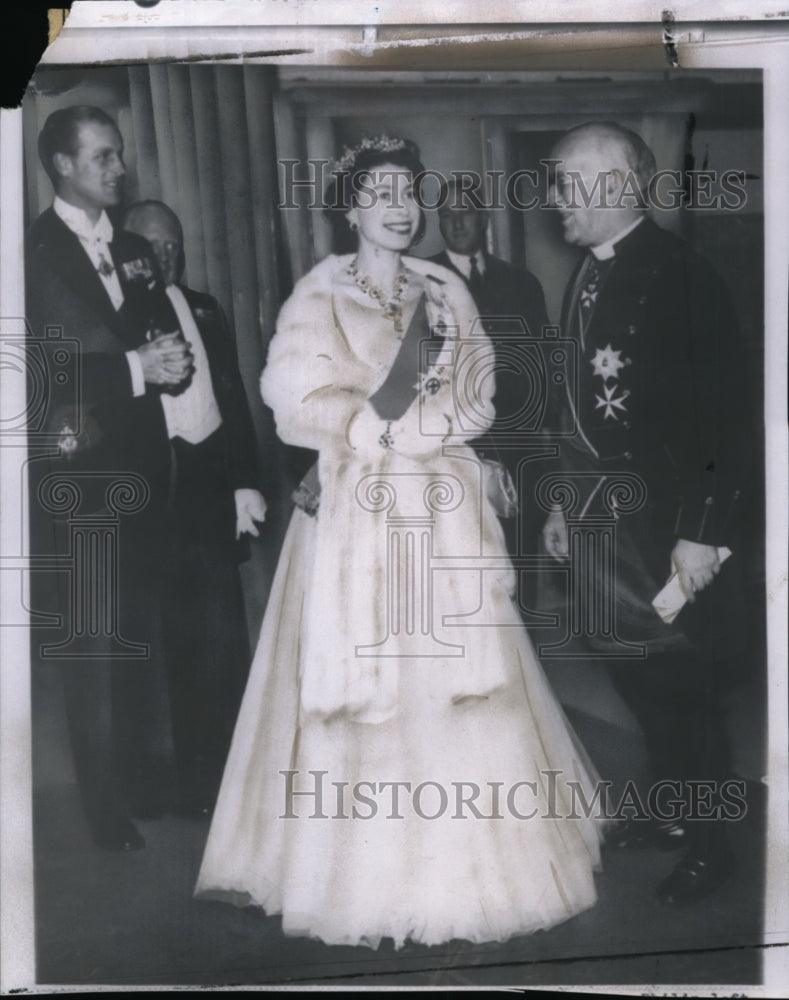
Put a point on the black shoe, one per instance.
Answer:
(117, 833)
(637, 834)
(694, 878)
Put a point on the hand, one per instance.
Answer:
(696, 566)
(166, 360)
(554, 536)
(250, 507)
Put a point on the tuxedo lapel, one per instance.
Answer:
(67, 258)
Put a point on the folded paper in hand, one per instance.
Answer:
(671, 600)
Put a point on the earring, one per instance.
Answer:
(353, 226)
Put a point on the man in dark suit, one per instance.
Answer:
(101, 287)
(215, 500)
(509, 299)
(661, 399)
(511, 303)
(499, 289)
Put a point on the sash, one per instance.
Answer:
(391, 400)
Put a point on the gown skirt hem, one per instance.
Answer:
(485, 836)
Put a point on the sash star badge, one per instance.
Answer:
(611, 403)
(606, 363)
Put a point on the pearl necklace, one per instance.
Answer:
(392, 307)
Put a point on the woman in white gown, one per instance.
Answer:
(400, 767)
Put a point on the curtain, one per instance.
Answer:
(203, 143)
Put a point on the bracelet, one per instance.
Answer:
(386, 440)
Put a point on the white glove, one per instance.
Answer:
(250, 507)
(697, 566)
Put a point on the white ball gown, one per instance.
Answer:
(400, 766)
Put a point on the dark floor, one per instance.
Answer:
(105, 918)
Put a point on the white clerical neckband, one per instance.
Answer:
(605, 251)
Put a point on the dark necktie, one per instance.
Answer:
(474, 278)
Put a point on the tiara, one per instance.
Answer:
(378, 143)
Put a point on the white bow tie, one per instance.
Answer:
(101, 233)
(79, 223)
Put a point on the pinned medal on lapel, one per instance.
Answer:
(139, 269)
(105, 267)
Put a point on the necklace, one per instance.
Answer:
(392, 307)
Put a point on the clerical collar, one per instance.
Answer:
(462, 261)
(78, 222)
(605, 251)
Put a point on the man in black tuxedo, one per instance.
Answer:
(216, 499)
(102, 288)
(662, 395)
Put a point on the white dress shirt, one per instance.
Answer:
(95, 240)
(192, 414)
